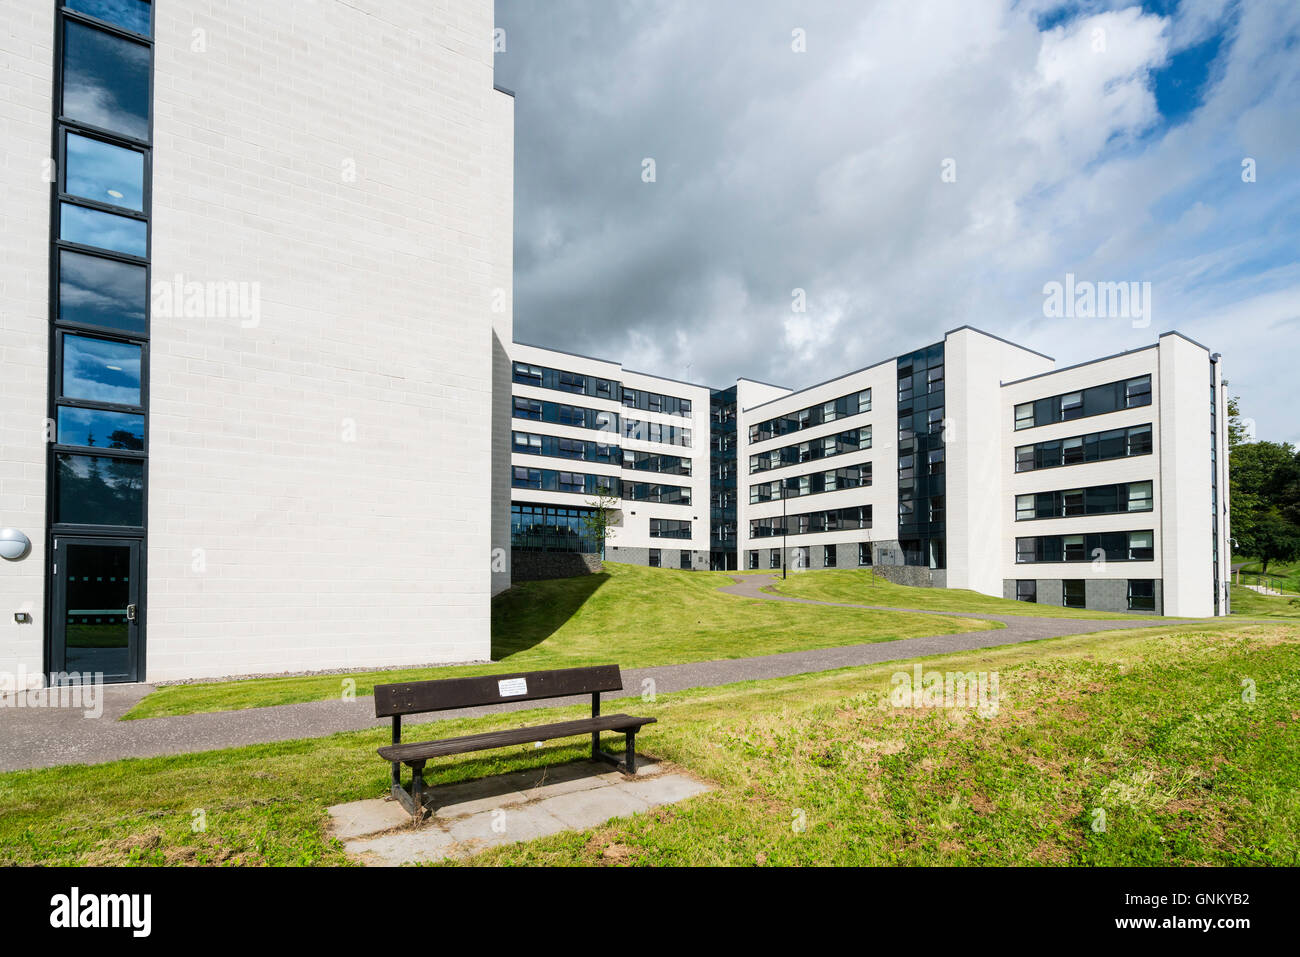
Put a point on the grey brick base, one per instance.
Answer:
(526, 566)
(669, 554)
(1099, 594)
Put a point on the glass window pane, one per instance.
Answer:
(129, 14)
(103, 172)
(102, 292)
(102, 429)
(95, 490)
(91, 227)
(105, 80)
(101, 371)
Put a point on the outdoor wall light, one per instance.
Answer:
(22, 617)
(14, 544)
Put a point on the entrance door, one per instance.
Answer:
(97, 615)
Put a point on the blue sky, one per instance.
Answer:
(1107, 140)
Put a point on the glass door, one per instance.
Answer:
(97, 615)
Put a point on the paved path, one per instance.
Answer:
(32, 738)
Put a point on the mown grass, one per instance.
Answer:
(859, 586)
(1254, 605)
(1286, 573)
(630, 615)
(1186, 737)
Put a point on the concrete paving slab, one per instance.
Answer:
(503, 826)
(583, 809)
(359, 818)
(412, 846)
(567, 797)
(665, 789)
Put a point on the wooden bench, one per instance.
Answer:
(420, 697)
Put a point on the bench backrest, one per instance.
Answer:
(417, 697)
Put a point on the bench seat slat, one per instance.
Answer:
(420, 751)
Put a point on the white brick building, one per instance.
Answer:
(294, 434)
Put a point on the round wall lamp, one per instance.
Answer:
(14, 544)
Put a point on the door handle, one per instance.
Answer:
(130, 612)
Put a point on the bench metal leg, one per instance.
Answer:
(417, 786)
(629, 756)
(595, 735)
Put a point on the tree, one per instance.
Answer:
(1239, 431)
(1272, 538)
(600, 521)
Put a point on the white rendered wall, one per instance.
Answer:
(1185, 477)
(320, 474)
(882, 494)
(26, 67)
(1134, 469)
(975, 366)
(503, 264)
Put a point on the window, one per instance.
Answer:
(1071, 406)
(1139, 440)
(1141, 594)
(571, 415)
(571, 482)
(1072, 502)
(129, 14)
(1139, 497)
(98, 490)
(1025, 415)
(527, 478)
(655, 558)
(1140, 547)
(100, 428)
(1137, 392)
(527, 444)
(94, 227)
(102, 292)
(1026, 550)
(684, 559)
(753, 559)
(528, 409)
(864, 553)
(934, 460)
(1073, 593)
(101, 370)
(934, 379)
(106, 80)
(828, 556)
(774, 558)
(102, 172)
(571, 448)
(669, 528)
(1072, 450)
(1025, 458)
(1027, 590)
(571, 382)
(1073, 548)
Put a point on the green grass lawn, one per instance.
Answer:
(1149, 726)
(858, 586)
(629, 615)
(1255, 605)
(1288, 573)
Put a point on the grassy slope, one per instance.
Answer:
(632, 616)
(1288, 572)
(1148, 725)
(1255, 605)
(857, 586)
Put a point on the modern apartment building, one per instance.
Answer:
(587, 433)
(969, 463)
(255, 279)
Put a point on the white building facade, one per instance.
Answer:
(255, 260)
(971, 463)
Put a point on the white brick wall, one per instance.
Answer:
(320, 483)
(26, 118)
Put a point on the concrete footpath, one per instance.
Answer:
(45, 737)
